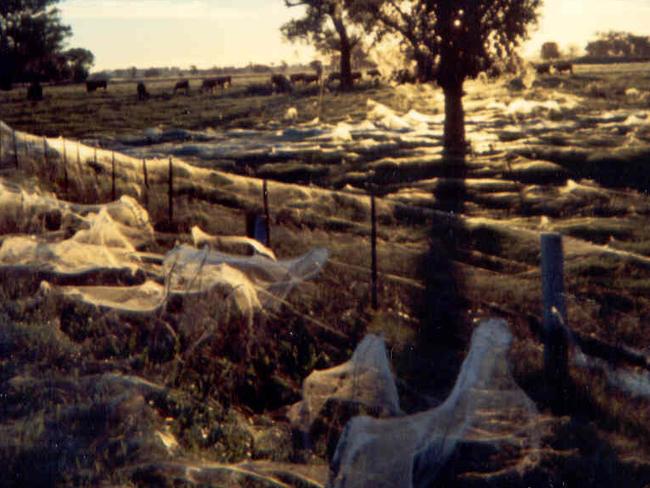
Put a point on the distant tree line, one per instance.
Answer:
(619, 45)
(32, 45)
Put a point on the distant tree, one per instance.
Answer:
(133, 72)
(550, 50)
(619, 44)
(194, 70)
(329, 26)
(152, 72)
(80, 61)
(452, 41)
(31, 40)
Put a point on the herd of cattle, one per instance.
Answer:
(558, 67)
(280, 83)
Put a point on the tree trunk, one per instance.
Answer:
(346, 65)
(454, 138)
(346, 51)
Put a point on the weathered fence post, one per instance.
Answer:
(373, 250)
(15, 148)
(65, 169)
(146, 183)
(113, 192)
(267, 217)
(555, 319)
(171, 192)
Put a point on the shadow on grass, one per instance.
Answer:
(441, 310)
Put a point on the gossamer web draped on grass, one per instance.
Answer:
(255, 282)
(251, 283)
(486, 407)
(366, 379)
(105, 237)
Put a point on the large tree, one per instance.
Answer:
(550, 50)
(328, 25)
(31, 39)
(79, 61)
(452, 41)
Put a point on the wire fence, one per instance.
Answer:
(96, 174)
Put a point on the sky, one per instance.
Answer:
(206, 33)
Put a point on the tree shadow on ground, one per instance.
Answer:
(438, 352)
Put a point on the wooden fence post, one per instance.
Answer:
(373, 249)
(267, 216)
(113, 192)
(555, 319)
(15, 148)
(171, 192)
(146, 183)
(65, 169)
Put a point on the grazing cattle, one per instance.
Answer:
(296, 77)
(311, 79)
(373, 73)
(142, 91)
(94, 85)
(183, 85)
(281, 84)
(211, 83)
(562, 66)
(35, 92)
(224, 81)
(543, 69)
(336, 76)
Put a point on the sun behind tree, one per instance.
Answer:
(453, 41)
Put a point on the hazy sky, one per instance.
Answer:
(144, 33)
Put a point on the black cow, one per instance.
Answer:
(543, 68)
(281, 84)
(307, 79)
(142, 91)
(35, 92)
(373, 73)
(296, 77)
(336, 76)
(562, 66)
(211, 83)
(182, 85)
(94, 85)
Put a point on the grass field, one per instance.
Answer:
(457, 242)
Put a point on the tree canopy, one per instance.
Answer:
(452, 41)
(32, 40)
(550, 50)
(329, 26)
